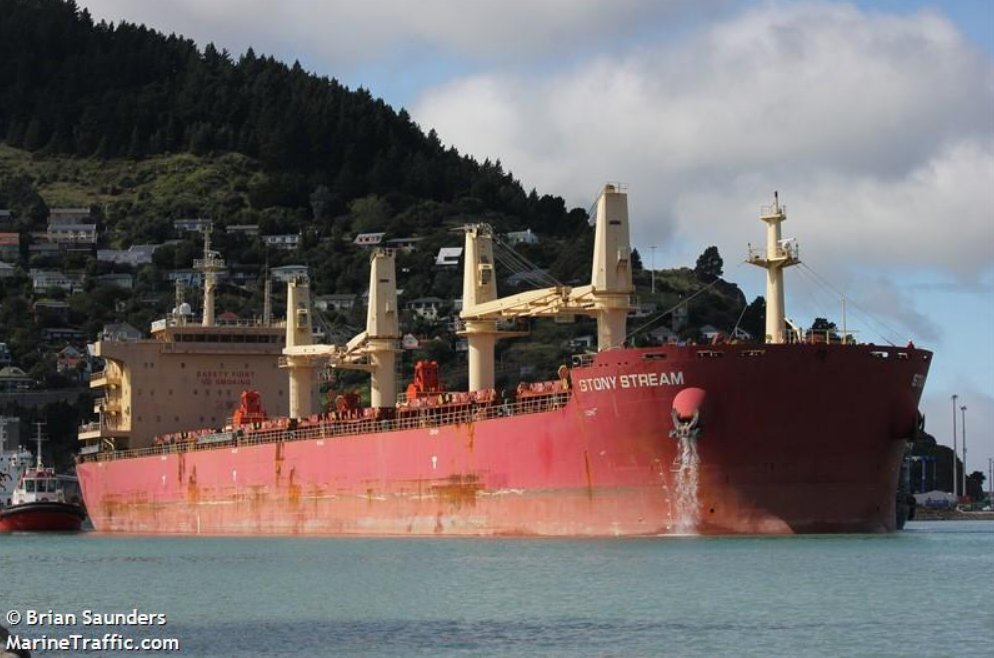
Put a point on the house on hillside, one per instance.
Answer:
(6, 270)
(663, 335)
(288, 273)
(62, 336)
(71, 362)
(710, 332)
(369, 239)
(121, 280)
(10, 246)
(136, 254)
(13, 378)
(193, 225)
(42, 280)
(405, 245)
(335, 302)
(521, 237)
(190, 278)
(68, 235)
(283, 242)
(426, 308)
(448, 257)
(120, 332)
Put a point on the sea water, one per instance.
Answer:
(927, 591)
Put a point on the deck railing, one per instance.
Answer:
(424, 418)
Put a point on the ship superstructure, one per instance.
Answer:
(720, 438)
(189, 373)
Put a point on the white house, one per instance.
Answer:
(195, 225)
(369, 239)
(6, 270)
(663, 335)
(425, 307)
(66, 234)
(285, 241)
(522, 237)
(335, 302)
(710, 332)
(43, 280)
(190, 278)
(288, 273)
(121, 332)
(136, 254)
(13, 378)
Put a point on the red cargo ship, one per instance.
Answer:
(724, 438)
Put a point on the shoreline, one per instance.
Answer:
(922, 514)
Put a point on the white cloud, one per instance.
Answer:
(877, 129)
(340, 33)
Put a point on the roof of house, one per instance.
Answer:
(448, 256)
(11, 372)
(119, 327)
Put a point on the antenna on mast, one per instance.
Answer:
(267, 300)
(38, 440)
(210, 264)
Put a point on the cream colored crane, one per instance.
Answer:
(608, 297)
(374, 350)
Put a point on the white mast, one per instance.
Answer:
(780, 254)
(298, 334)
(611, 278)
(608, 297)
(210, 264)
(38, 439)
(374, 350)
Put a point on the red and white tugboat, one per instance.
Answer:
(39, 503)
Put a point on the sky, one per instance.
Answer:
(873, 119)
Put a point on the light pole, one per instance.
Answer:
(653, 248)
(955, 447)
(963, 411)
(990, 481)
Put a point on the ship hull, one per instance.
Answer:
(794, 439)
(42, 517)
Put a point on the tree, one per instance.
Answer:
(754, 318)
(709, 265)
(975, 485)
(821, 325)
(636, 261)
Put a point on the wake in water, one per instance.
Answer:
(687, 507)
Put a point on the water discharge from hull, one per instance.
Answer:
(686, 468)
